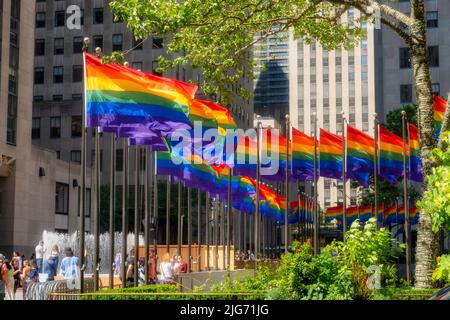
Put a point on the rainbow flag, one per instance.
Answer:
(365, 213)
(273, 146)
(380, 213)
(390, 155)
(360, 154)
(334, 213)
(118, 96)
(439, 109)
(245, 157)
(294, 214)
(330, 155)
(352, 215)
(302, 156)
(390, 214)
(414, 215)
(415, 163)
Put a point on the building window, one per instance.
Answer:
(58, 46)
(432, 19)
(36, 128)
(77, 44)
(364, 60)
(62, 198)
(76, 126)
(117, 42)
(39, 47)
(351, 60)
(312, 78)
(119, 160)
(405, 93)
(11, 130)
(433, 56)
(77, 73)
(98, 15)
(338, 77)
(364, 44)
(157, 43)
(325, 61)
(57, 97)
(325, 77)
(58, 74)
(55, 127)
(58, 155)
(405, 59)
(40, 19)
(364, 76)
(77, 96)
(338, 61)
(60, 18)
(137, 65)
(137, 44)
(38, 98)
(436, 88)
(351, 76)
(38, 75)
(75, 156)
(98, 42)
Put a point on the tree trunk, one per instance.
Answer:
(427, 241)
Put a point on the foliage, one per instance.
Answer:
(116, 294)
(216, 36)
(442, 271)
(391, 293)
(436, 199)
(394, 118)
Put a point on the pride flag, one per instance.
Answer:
(118, 96)
(273, 155)
(390, 214)
(439, 109)
(415, 163)
(365, 212)
(330, 155)
(352, 215)
(294, 213)
(414, 215)
(334, 213)
(302, 156)
(245, 157)
(391, 155)
(360, 153)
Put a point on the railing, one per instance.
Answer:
(45, 290)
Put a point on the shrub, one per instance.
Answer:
(442, 271)
(118, 294)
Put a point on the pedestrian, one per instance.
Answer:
(8, 278)
(16, 276)
(23, 277)
(141, 272)
(166, 270)
(2, 284)
(117, 263)
(152, 275)
(17, 257)
(183, 265)
(51, 265)
(32, 276)
(130, 268)
(176, 264)
(69, 265)
(40, 252)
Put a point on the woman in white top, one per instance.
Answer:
(165, 268)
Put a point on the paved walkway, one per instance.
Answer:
(19, 295)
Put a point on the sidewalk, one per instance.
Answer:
(19, 295)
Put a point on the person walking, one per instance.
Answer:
(23, 277)
(39, 256)
(166, 270)
(152, 275)
(69, 265)
(2, 283)
(16, 276)
(51, 265)
(8, 278)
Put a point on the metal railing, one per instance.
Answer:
(45, 290)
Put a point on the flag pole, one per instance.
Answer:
(96, 264)
(406, 204)
(179, 218)
(256, 218)
(199, 228)
(137, 165)
(375, 160)
(155, 209)
(112, 209)
(222, 232)
(168, 189)
(82, 198)
(316, 213)
(244, 235)
(189, 228)
(124, 212)
(286, 188)
(207, 229)
(146, 213)
(229, 210)
(344, 180)
(216, 232)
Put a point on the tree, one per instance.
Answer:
(216, 35)
(394, 118)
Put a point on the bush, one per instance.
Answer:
(403, 294)
(442, 271)
(118, 294)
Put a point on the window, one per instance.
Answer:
(433, 56)
(405, 93)
(40, 19)
(351, 76)
(351, 60)
(364, 44)
(98, 41)
(364, 60)
(137, 44)
(55, 127)
(137, 65)
(405, 60)
(338, 61)
(157, 43)
(76, 126)
(77, 73)
(432, 19)
(60, 18)
(62, 198)
(38, 75)
(364, 76)
(75, 156)
(57, 97)
(338, 77)
(117, 40)
(77, 96)
(325, 77)
(39, 47)
(36, 128)
(436, 88)
(98, 15)
(58, 46)
(58, 74)
(77, 44)
(58, 155)
(312, 62)
(38, 98)
(119, 160)
(313, 78)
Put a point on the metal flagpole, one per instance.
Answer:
(82, 198)
(179, 219)
(375, 160)
(216, 232)
(406, 204)
(146, 213)
(298, 213)
(112, 209)
(199, 228)
(286, 189)
(96, 264)
(137, 166)
(256, 218)
(189, 228)
(316, 213)
(168, 189)
(244, 236)
(155, 210)
(229, 209)
(124, 212)
(207, 229)
(344, 180)
(222, 232)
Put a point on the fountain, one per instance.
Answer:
(64, 240)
